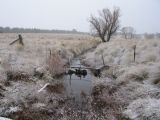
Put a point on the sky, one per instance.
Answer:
(143, 15)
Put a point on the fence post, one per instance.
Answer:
(134, 48)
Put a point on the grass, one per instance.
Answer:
(55, 64)
(136, 87)
(36, 50)
(134, 80)
(120, 51)
(17, 76)
(34, 62)
(56, 88)
(143, 109)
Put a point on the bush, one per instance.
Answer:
(55, 64)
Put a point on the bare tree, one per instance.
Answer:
(128, 32)
(106, 24)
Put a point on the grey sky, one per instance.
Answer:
(143, 15)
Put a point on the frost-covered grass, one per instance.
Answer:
(136, 85)
(133, 93)
(120, 52)
(26, 69)
(146, 109)
(37, 49)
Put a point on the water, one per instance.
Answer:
(78, 86)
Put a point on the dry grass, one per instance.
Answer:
(56, 88)
(36, 49)
(18, 64)
(17, 76)
(137, 73)
(1, 91)
(55, 64)
(136, 87)
(120, 52)
(147, 109)
(105, 99)
(133, 83)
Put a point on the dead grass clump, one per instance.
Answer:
(55, 64)
(6, 83)
(39, 72)
(17, 76)
(103, 98)
(97, 90)
(1, 87)
(56, 88)
(137, 76)
(1, 90)
(109, 104)
(31, 114)
(156, 81)
(133, 73)
(154, 77)
(143, 109)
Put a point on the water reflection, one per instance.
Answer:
(78, 82)
(78, 72)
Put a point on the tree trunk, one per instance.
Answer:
(108, 37)
(103, 38)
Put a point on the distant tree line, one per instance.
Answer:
(35, 30)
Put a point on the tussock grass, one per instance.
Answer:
(55, 88)
(55, 64)
(120, 52)
(143, 109)
(106, 101)
(154, 77)
(137, 73)
(17, 76)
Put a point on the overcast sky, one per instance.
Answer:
(143, 15)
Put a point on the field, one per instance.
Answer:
(128, 89)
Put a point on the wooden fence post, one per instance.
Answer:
(134, 48)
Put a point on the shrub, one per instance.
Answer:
(55, 64)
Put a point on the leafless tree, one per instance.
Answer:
(128, 32)
(106, 24)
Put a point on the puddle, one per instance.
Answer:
(75, 85)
